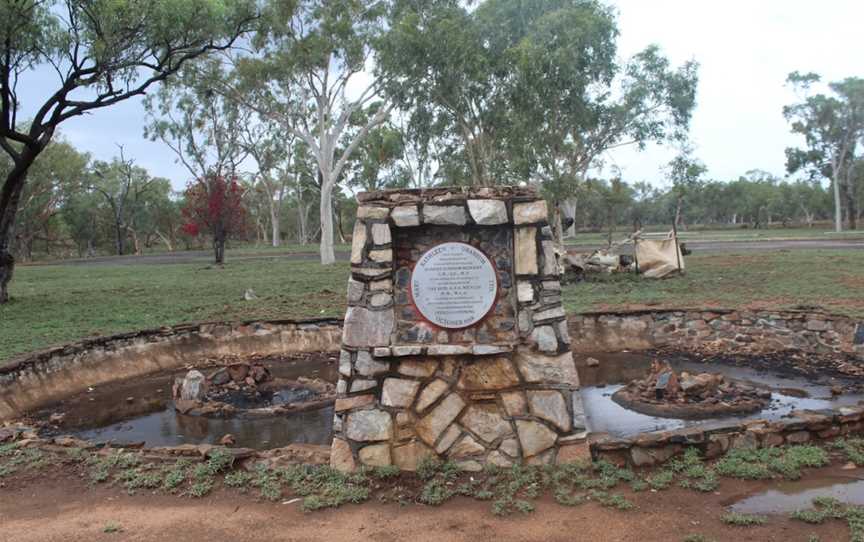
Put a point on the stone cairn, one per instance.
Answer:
(501, 391)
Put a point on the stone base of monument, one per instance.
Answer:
(455, 342)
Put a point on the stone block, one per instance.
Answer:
(400, 351)
(485, 421)
(369, 425)
(417, 368)
(545, 339)
(488, 374)
(537, 367)
(549, 405)
(534, 437)
(444, 215)
(345, 363)
(553, 313)
(358, 242)
(358, 385)
(365, 365)
(469, 466)
(375, 213)
(526, 251)
(366, 328)
(466, 447)
(499, 460)
(381, 255)
(398, 392)
(448, 438)
(380, 299)
(356, 401)
(578, 452)
(355, 290)
(490, 349)
(381, 234)
(488, 212)
(530, 213)
(405, 216)
(430, 427)
(550, 260)
(431, 393)
(510, 446)
(381, 352)
(447, 350)
(375, 455)
(524, 291)
(408, 456)
(514, 403)
(381, 286)
(341, 457)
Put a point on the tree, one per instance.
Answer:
(832, 127)
(684, 171)
(214, 204)
(304, 64)
(103, 52)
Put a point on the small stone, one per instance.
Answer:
(408, 456)
(526, 251)
(356, 401)
(510, 446)
(431, 393)
(499, 460)
(488, 212)
(381, 352)
(535, 437)
(381, 286)
(550, 406)
(380, 300)
(514, 403)
(573, 453)
(341, 458)
(345, 363)
(384, 255)
(447, 350)
(490, 349)
(398, 392)
(376, 455)
(381, 234)
(358, 242)
(444, 215)
(227, 440)
(419, 369)
(488, 374)
(405, 216)
(367, 366)
(466, 447)
(548, 314)
(375, 213)
(430, 427)
(550, 260)
(366, 328)
(400, 351)
(530, 213)
(526, 325)
(524, 291)
(545, 338)
(341, 387)
(355, 290)
(485, 421)
(553, 369)
(448, 438)
(366, 425)
(362, 385)
(592, 362)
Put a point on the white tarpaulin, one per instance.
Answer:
(657, 258)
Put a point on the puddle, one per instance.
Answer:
(604, 415)
(140, 409)
(787, 497)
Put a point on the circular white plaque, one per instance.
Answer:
(454, 285)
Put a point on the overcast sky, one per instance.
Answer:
(745, 49)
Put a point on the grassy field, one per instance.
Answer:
(723, 234)
(57, 304)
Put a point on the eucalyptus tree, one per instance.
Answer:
(306, 69)
(102, 52)
(684, 171)
(833, 127)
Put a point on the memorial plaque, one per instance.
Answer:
(454, 285)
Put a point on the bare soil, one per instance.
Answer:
(56, 505)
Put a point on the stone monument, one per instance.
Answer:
(455, 341)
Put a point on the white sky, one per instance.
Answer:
(745, 49)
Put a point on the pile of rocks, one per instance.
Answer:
(669, 394)
(248, 389)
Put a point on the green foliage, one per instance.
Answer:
(112, 527)
(828, 508)
(743, 520)
(852, 447)
(770, 462)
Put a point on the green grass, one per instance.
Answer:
(743, 520)
(720, 234)
(53, 305)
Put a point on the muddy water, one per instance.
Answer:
(140, 410)
(786, 497)
(614, 370)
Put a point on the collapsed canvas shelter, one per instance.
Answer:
(655, 255)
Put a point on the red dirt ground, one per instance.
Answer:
(57, 506)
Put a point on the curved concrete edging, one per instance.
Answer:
(39, 378)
